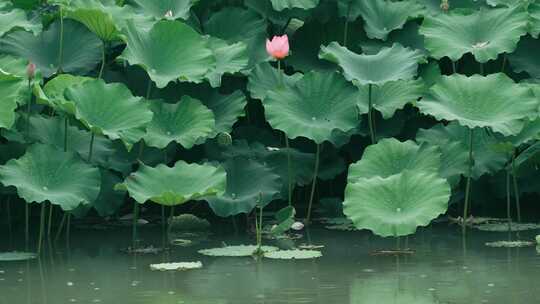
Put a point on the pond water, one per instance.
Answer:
(445, 269)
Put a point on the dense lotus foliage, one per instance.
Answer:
(388, 112)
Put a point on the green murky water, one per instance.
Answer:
(443, 270)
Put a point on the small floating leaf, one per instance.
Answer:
(179, 266)
(295, 254)
(236, 251)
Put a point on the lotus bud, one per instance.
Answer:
(224, 139)
(169, 14)
(278, 47)
(31, 70)
(297, 226)
(445, 6)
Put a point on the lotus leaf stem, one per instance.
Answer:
(516, 188)
(102, 60)
(49, 223)
(454, 69)
(135, 218)
(314, 183)
(8, 213)
(41, 227)
(60, 227)
(508, 215)
(65, 133)
(481, 69)
(370, 115)
(61, 42)
(68, 228)
(91, 147)
(26, 224)
(469, 174)
(289, 170)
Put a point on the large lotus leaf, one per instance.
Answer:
(391, 96)
(383, 16)
(109, 109)
(534, 13)
(525, 58)
(45, 173)
(397, 205)
(160, 9)
(249, 184)
(390, 64)
(81, 49)
(16, 18)
(433, 7)
(169, 51)
(485, 33)
(280, 5)
(51, 131)
(52, 93)
(264, 78)
(184, 122)
(318, 104)
(453, 140)
(481, 101)
(174, 186)
(12, 90)
(529, 133)
(285, 17)
(230, 59)
(390, 156)
(408, 36)
(226, 108)
(240, 25)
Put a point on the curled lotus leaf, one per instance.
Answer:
(175, 185)
(486, 33)
(45, 173)
(318, 104)
(389, 64)
(16, 18)
(481, 101)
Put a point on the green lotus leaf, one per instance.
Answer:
(52, 93)
(174, 186)
(109, 201)
(16, 256)
(282, 18)
(408, 36)
(485, 33)
(12, 90)
(280, 5)
(390, 64)
(382, 16)
(109, 109)
(481, 101)
(525, 59)
(534, 13)
(184, 122)
(16, 18)
(51, 130)
(249, 184)
(236, 251)
(230, 59)
(81, 49)
(453, 140)
(390, 156)
(95, 16)
(225, 24)
(391, 96)
(529, 133)
(302, 165)
(169, 51)
(396, 205)
(159, 8)
(227, 108)
(433, 7)
(285, 219)
(295, 254)
(317, 105)
(45, 173)
(14, 65)
(263, 79)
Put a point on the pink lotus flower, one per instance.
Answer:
(31, 70)
(278, 47)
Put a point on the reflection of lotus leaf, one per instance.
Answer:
(503, 227)
(509, 244)
(16, 256)
(295, 254)
(181, 266)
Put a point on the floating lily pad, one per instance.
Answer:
(503, 227)
(16, 256)
(486, 33)
(236, 251)
(179, 266)
(295, 254)
(510, 244)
